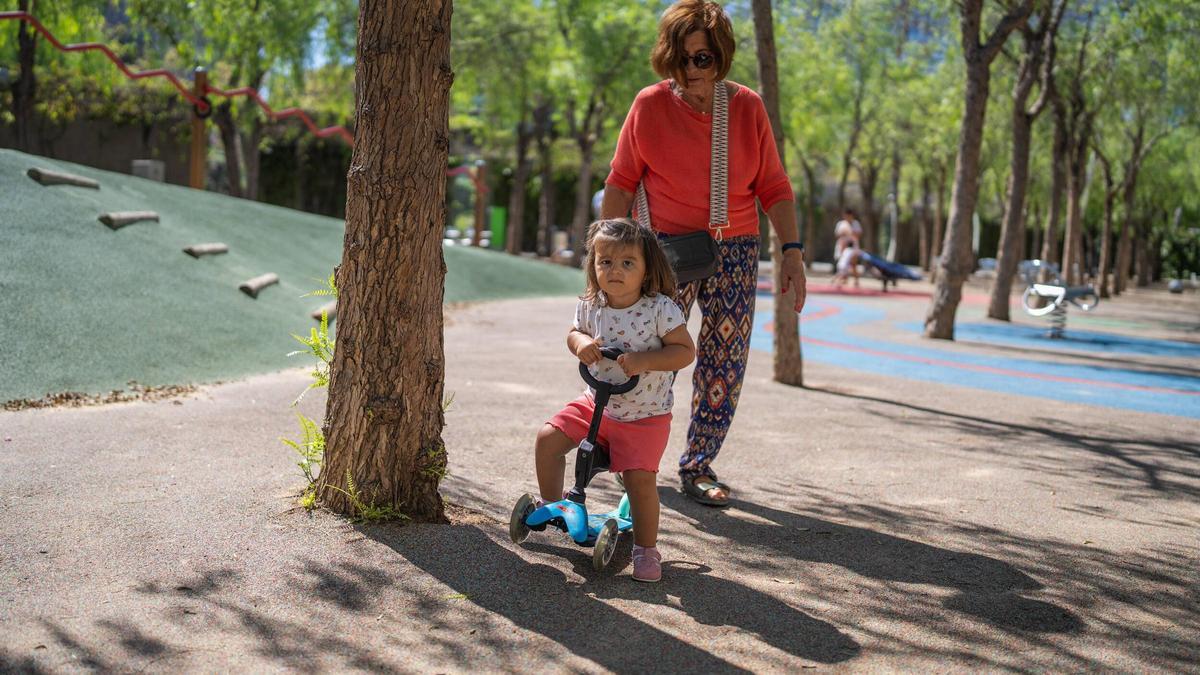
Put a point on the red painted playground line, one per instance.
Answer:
(831, 311)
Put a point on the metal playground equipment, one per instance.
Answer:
(1051, 299)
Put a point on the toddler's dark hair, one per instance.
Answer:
(660, 278)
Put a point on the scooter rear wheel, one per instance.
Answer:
(606, 545)
(518, 531)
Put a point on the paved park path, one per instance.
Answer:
(881, 524)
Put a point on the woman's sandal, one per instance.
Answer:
(699, 488)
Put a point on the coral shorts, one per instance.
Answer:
(638, 444)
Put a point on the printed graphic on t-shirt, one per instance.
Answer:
(637, 328)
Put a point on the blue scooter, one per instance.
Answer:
(570, 514)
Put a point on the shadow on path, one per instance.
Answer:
(544, 600)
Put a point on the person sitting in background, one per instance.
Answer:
(846, 249)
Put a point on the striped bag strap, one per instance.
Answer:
(718, 177)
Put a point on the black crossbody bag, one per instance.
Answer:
(695, 255)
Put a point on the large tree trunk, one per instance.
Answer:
(383, 418)
(957, 260)
(24, 89)
(789, 364)
(520, 183)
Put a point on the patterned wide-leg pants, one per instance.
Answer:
(727, 309)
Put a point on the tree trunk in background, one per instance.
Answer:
(1124, 247)
(896, 243)
(925, 225)
(223, 118)
(957, 261)
(1037, 63)
(868, 180)
(1058, 180)
(515, 232)
(939, 221)
(251, 157)
(24, 89)
(545, 135)
(383, 418)
(789, 363)
(1145, 245)
(1110, 195)
(1012, 230)
(812, 206)
(585, 139)
(1074, 266)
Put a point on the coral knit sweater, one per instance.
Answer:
(667, 144)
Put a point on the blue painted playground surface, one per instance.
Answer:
(828, 338)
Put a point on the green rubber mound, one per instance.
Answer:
(86, 308)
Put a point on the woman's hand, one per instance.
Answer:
(791, 274)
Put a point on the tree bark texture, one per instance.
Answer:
(957, 260)
(383, 419)
(789, 363)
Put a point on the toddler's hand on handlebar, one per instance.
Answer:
(632, 364)
(589, 353)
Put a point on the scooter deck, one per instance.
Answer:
(576, 521)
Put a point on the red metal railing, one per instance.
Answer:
(202, 106)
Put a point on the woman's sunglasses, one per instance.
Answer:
(703, 60)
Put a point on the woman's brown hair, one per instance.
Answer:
(683, 18)
(660, 278)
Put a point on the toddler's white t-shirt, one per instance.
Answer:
(637, 328)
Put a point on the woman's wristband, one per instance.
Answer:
(793, 245)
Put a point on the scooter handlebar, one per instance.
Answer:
(608, 353)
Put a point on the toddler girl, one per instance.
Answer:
(628, 304)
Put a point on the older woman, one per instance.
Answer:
(666, 145)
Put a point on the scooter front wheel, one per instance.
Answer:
(606, 545)
(518, 531)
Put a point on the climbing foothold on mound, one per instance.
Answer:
(118, 219)
(329, 308)
(253, 286)
(48, 177)
(197, 250)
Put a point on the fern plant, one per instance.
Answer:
(311, 446)
(368, 512)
